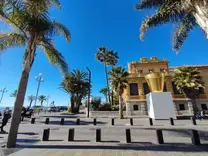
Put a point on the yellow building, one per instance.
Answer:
(135, 93)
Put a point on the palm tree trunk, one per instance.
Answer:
(195, 108)
(30, 103)
(120, 108)
(201, 16)
(17, 109)
(72, 101)
(106, 97)
(106, 75)
(41, 103)
(19, 101)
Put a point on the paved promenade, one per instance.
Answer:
(144, 142)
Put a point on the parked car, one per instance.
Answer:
(61, 108)
(52, 109)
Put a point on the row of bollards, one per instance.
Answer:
(113, 121)
(159, 134)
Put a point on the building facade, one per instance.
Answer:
(135, 94)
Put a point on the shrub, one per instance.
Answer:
(105, 107)
(95, 103)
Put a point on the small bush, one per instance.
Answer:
(115, 107)
(105, 107)
(95, 103)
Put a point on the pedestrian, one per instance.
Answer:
(6, 117)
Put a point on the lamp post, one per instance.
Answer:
(4, 90)
(88, 102)
(39, 79)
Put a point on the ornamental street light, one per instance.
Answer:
(4, 90)
(39, 79)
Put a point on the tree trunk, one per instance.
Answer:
(106, 97)
(120, 107)
(28, 60)
(201, 16)
(195, 108)
(106, 75)
(18, 109)
(112, 98)
(72, 101)
(41, 103)
(30, 103)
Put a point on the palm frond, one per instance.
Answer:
(182, 31)
(54, 56)
(166, 14)
(10, 40)
(148, 4)
(60, 29)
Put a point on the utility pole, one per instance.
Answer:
(4, 90)
(88, 101)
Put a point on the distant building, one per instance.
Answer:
(135, 93)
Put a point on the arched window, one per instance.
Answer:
(146, 88)
(134, 89)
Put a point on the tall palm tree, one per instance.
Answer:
(108, 57)
(14, 94)
(42, 98)
(76, 84)
(186, 14)
(31, 98)
(118, 80)
(33, 29)
(104, 91)
(188, 81)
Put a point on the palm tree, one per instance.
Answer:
(42, 98)
(104, 91)
(76, 84)
(118, 80)
(186, 14)
(31, 98)
(188, 81)
(14, 94)
(108, 58)
(33, 29)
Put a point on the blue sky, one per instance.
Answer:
(94, 23)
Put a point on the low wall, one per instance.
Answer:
(111, 113)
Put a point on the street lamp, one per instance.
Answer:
(88, 102)
(4, 90)
(39, 79)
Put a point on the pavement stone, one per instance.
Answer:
(144, 141)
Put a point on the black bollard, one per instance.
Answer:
(62, 121)
(47, 121)
(171, 121)
(46, 134)
(33, 121)
(131, 121)
(98, 135)
(112, 121)
(150, 121)
(95, 121)
(71, 134)
(193, 120)
(195, 137)
(78, 121)
(128, 136)
(159, 136)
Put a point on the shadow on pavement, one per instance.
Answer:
(27, 133)
(177, 147)
(62, 116)
(75, 123)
